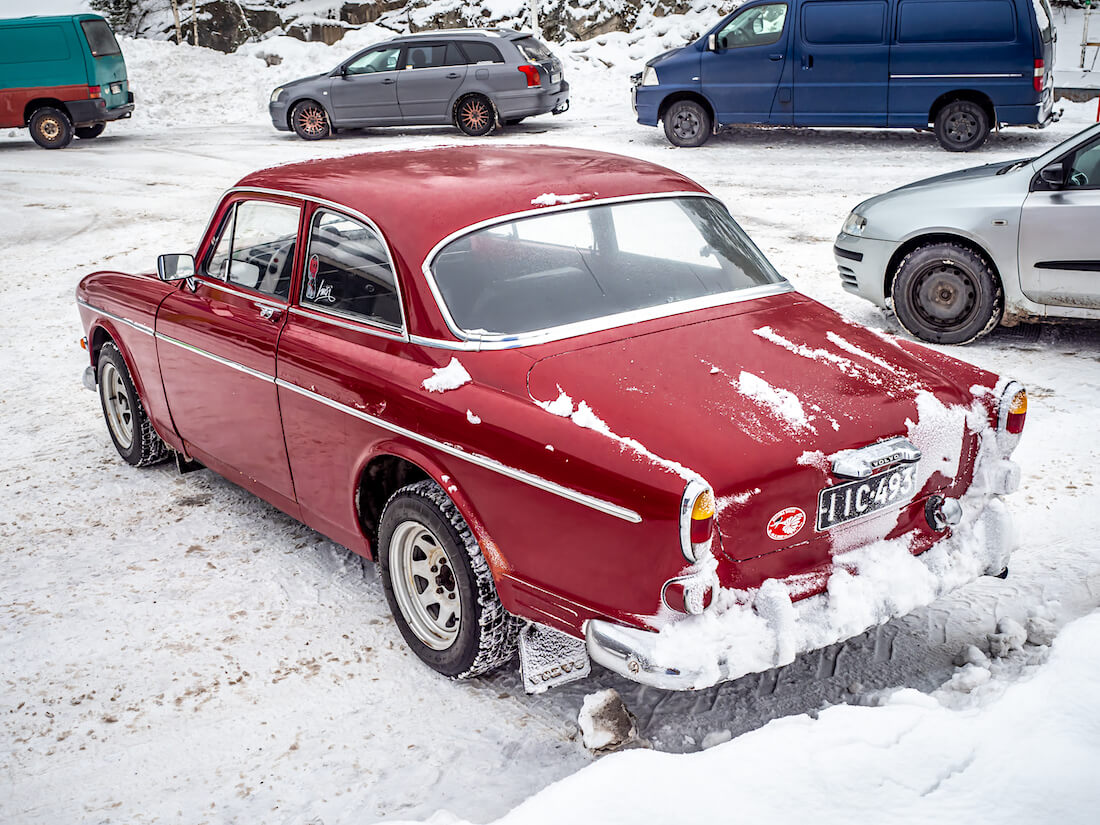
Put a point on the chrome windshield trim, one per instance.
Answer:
(439, 343)
(263, 376)
(113, 317)
(352, 323)
(473, 458)
(493, 342)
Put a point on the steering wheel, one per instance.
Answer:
(1079, 179)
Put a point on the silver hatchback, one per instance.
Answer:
(477, 79)
(958, 254)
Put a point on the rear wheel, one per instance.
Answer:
(946, 293)
(687, 123)
(961, 126)
(89, 132)
(309, 120)
(51, 128)
(130, 429)
(474, 115)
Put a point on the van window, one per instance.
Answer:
(956, 21)
(32, 44)
(1042, 17)
(758, 26)
(101, 40)
(847, 23)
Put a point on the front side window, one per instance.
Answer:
(758, 26)
(101, 40)
(379, 60)
(580, 264)
(348, 271)
(1084, 169)
(256, 247)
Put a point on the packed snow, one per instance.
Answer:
(450, 377)
(550, 199)
(175, 649)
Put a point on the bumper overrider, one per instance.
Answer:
(749, 631)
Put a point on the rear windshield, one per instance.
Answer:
(535, 50)
(579, 264)
(1042, 17)
(101, 40)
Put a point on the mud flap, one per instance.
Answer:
(549, 658)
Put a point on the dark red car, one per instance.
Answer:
(558, 395)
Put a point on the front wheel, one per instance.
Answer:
(439, 586)
(51, 128)
(961, 126)
(89, 132)
(130, 429)
(310, 120)
(946, 293)
(474, 116)
(687, 123)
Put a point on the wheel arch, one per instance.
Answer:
(103, 332)
(972, 95)
(40, 102)
(312, 99)
(927, 238)
(465, 93)
(676, 97)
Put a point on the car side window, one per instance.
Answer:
(478, 52)
(378, 60)
(256, 247)
(433, 56)
(1084, 169)
(348, 271)
(758, 26)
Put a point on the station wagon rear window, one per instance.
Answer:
(585, 263)
(533, 49)
(480, 52)
(101, 40)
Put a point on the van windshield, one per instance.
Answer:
(101, 40)
(1042, 18)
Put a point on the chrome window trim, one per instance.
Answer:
(439, 343)
(234, 289)
(134, 324)
(352, 323)
(492, 342)
(473, 458)
(263, 376)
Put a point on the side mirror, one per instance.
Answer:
(712, 42)
(175, 267)
(1054, 175)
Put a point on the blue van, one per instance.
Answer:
(961, 66)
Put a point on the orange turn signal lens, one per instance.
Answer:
(703, 507)
(1018, 404)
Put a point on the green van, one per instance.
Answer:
(61, 76)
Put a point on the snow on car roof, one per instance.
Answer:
(419, 197)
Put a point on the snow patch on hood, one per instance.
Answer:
(550, 199)
(450, 377)
(782, 403)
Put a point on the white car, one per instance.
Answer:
(958, 254)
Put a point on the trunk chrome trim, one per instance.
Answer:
(863, 462)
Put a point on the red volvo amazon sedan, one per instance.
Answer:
(566, 404)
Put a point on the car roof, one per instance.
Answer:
(419, 197)
(496, 34)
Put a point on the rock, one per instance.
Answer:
(605, 722)
(972, 655)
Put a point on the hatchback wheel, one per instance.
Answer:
(946, 294)
(51, 128)
(310, 120)
(474, 115)
(130, 429)
(687, 123)
(439, 586)
(961, 126)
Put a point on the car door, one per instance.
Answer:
(1059, 258)
(842, 72)
(742, 75)
(216, 343)
(433, 74)
(365, 89)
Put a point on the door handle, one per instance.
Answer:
(452, 76)
(389, 81)
(808, 61)
(775, 56)
(270, 313)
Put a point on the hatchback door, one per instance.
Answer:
(742, 75)
(108, 67)
(433, 75)
(366, 90)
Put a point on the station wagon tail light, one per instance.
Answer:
(93, 91)
(532, 73)
(696, 520)
(1040, 70)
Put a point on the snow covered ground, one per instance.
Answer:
(173, 649)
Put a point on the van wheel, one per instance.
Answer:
(51, 128)
(310, 120)
(687, 124)
(946, 293)
(474, 115)
(89, 132)
(961, 126)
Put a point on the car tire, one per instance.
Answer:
(309, 120)
(946, 293)
(687, 124)
(89, 132)
(51, 128)
(429, 559)
(961, 126)
(474, 115)
(128, 425)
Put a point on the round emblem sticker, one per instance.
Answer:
(786, 523)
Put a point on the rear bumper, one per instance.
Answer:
(85, 112)
(529, 102)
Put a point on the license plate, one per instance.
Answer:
(855, 499)
(555, 77)
(116, 88)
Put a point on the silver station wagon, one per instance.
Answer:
(477, 79)
(958, 254)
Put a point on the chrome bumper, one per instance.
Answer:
(628, 652)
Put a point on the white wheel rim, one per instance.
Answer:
(117, 406)
(424, 585)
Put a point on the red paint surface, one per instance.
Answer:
(13, 102)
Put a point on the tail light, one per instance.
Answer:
(1040, 71)
(532, 73)
(1011, 414)
(93, 91)
(696, 520)
(1017, 412)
